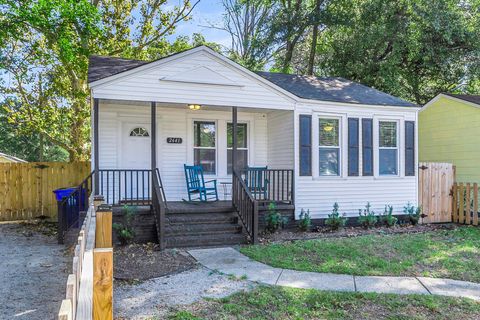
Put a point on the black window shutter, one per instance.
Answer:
(353, 153)
(409, 148)
(305, 145)
(367, 147)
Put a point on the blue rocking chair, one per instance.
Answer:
(257, 182)
(197, 186)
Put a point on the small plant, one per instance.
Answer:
(413, 213)
(367, 217)
(304, 223)
(388, 218)
(335, 220)
(273, 219)
(125, 233)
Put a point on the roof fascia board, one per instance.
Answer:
(360, 105)
(442, 95)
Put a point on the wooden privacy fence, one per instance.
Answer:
(465, 203)
(89, 292)
(435, 182)
(26, 188)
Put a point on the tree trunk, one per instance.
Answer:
(40, 149)
(288, 57)
(313, 49)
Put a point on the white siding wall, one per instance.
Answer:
(176, 122)
(167, 82)
(280, 140)
(352, 193)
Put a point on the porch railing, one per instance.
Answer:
(72, 209)
(246, 206)
(270, 185)
(159, 206)
(126, 186)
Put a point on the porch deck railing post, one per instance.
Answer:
(96, 147)
(255, 223)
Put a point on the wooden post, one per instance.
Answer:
(455, 202)
(65, 312)
(475, 204)
(461, 200)
(467, 205)
(103, 229)
(98, 200)
(234, 138)
(72, 292)
(96, 147)
(103, 284)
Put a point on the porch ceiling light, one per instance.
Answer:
(194, 106)
(328, 128)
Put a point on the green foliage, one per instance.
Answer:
(335, 220)
(273, 219)
(414, 213)
(125, 232)
(388, 218)
(304, 221)
(367, 217)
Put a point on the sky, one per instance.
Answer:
(205, 13)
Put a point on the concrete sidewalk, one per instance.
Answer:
(230, 261)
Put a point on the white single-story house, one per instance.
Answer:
(340, 140)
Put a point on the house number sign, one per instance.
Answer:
(174, 140)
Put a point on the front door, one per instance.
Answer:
(136, 156)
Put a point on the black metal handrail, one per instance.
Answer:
(246, 206)
(270, 185)
(71, 209)
(159, 207)
(125, 186)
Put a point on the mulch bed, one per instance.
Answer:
(347, 232)
(138, 262)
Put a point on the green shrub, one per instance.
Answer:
(367, 217)
(335, 220)
(273, 219)
(413, 213)
(304, 223)
(124, 231)
(388, 218)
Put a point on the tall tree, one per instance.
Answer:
(44, 53)
(413, 49)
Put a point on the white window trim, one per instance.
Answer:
(206, 148)
(248, 143)
(400, 147)
(316, 145)
(221, 119)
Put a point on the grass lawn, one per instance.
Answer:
(287, 303)
(451, 254)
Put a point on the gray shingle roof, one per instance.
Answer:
(466, 97)
(101, 67)
(308, 87)
(333, 89)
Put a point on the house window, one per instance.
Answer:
(204, 149)
(139, 132)
(242, 146)
(329, 147)
(388, 148)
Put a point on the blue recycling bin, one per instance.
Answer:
(71, 209)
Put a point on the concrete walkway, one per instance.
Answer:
(230, 261)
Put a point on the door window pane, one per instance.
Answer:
(329, 160)
(204, 152)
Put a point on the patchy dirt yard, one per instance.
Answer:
(33, 269)
(145, 261)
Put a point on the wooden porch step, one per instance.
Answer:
(205, 240)
(202, 218)
(197, 229)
